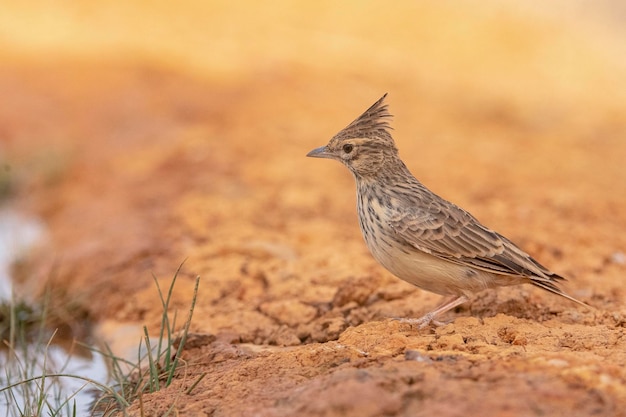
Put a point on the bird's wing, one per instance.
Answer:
(447, 231)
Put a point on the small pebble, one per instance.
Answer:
(414, 355)
(559, 363)
(618, 258)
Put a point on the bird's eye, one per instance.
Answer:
(347, 148)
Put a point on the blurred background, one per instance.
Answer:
(146, 132)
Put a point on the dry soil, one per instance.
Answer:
(145, 134)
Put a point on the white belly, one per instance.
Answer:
(423, 270)
(434, 274)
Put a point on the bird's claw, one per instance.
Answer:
(422, 322)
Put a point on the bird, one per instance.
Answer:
(417, 235)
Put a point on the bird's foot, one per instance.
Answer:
(429, 318)
(422, 322)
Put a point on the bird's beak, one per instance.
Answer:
(321, 152)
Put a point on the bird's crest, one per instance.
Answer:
(372, 123)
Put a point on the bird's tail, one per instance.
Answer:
(551, 286)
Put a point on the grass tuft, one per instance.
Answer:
(156, 366)
(33, 383)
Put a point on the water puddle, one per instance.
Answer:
(47, 353)
(43, 364)
(18, 234)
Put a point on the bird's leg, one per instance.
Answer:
(429, 318)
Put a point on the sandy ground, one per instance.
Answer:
(145, 135)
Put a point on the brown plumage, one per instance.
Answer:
(417, 235)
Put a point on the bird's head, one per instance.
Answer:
(365, 145)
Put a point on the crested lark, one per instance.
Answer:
(417, 235)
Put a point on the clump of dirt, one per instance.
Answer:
(136, 165)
